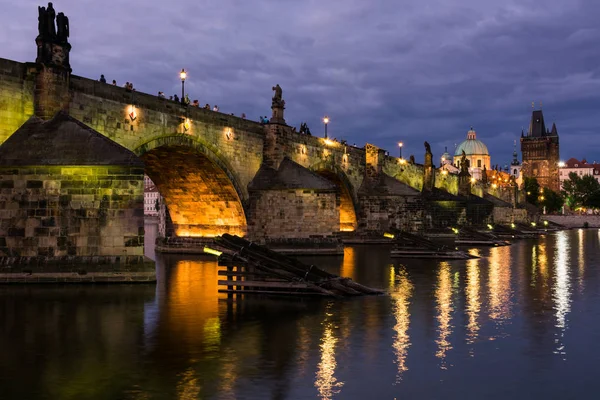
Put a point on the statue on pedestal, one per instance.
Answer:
(277, 97)
(62, 28)
(465, 164)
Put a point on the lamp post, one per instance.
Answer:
(182, 75)
(326, 121)
(400, 144)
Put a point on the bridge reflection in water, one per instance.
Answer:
(483, 324)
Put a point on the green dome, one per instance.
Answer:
(471, 146)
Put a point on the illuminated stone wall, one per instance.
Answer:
(293, 214)
(56, 211)
(16, 97)
(381, 213)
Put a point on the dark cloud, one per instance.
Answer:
(382, 71)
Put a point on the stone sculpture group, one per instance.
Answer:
(47, 28)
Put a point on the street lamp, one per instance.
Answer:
(182, 75)
(326, 121)
(400, 144)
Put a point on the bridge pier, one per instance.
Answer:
(71, 206)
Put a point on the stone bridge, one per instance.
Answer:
(202, 161)
(219, 173)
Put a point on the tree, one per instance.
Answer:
(532, 190)
(552, 200)
(581, 191)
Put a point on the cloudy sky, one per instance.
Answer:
(383, 70)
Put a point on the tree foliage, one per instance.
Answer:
(532, 190)
(581, 191)
(552, 200)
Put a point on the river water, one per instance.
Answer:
(521, 322)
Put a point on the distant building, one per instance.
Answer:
(476, 152)
(151, 196)
(515, 167)
(581, 168)
(540, 152)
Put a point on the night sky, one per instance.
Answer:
(383, 71)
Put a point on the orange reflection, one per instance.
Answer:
(561, 289)
(473, 300)
(443, 296)
(349, 263)
(193, 285)
(401, 300)
(326, 383)
(188, 387)
(499, 284)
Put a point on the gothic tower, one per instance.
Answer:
(540, 152)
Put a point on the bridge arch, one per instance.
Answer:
(201, 191)
(348, 199)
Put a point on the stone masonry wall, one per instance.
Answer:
(71, 211)
(381, 213)
(237, 142)
(507, 215)
(293, 214)
(16, 97)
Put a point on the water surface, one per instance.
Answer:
(520, 322)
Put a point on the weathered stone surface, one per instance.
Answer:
(292, 202)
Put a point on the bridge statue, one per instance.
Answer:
(277, 105)
(277, 97)
(62, 28)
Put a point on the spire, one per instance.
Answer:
(553, 132)
(537, 127)
(515, 160)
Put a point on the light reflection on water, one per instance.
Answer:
(401, 295)
(443, 296)
(473, 301)
(426, 339)
(561, 290)
(326, 382)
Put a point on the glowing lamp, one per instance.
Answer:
(326, 120)
(183, 74)
(132, 114)
(490, 226)
(546, 223)
(444, 172)
(494, 185)
(328, 142)
(388, 235)
(533, 224)
(455, 230)
(561, 164)
(473, 180)
(513, 226)
(228, 134)
(214, 252)
(186, 124)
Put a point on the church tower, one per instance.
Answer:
(540, 150)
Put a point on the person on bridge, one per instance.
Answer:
(186, 100)
(216, 108)
(161, 95)
(102, 79)
(176, 98)
(114, 83)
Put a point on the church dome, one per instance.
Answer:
(471, 146)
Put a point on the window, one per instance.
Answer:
(515, 172)
(478, 163)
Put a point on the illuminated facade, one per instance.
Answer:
(476, 152)
(540, 150)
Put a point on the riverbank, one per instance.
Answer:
(575, 221)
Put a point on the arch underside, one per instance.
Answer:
(200, 196)
(348, 220)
